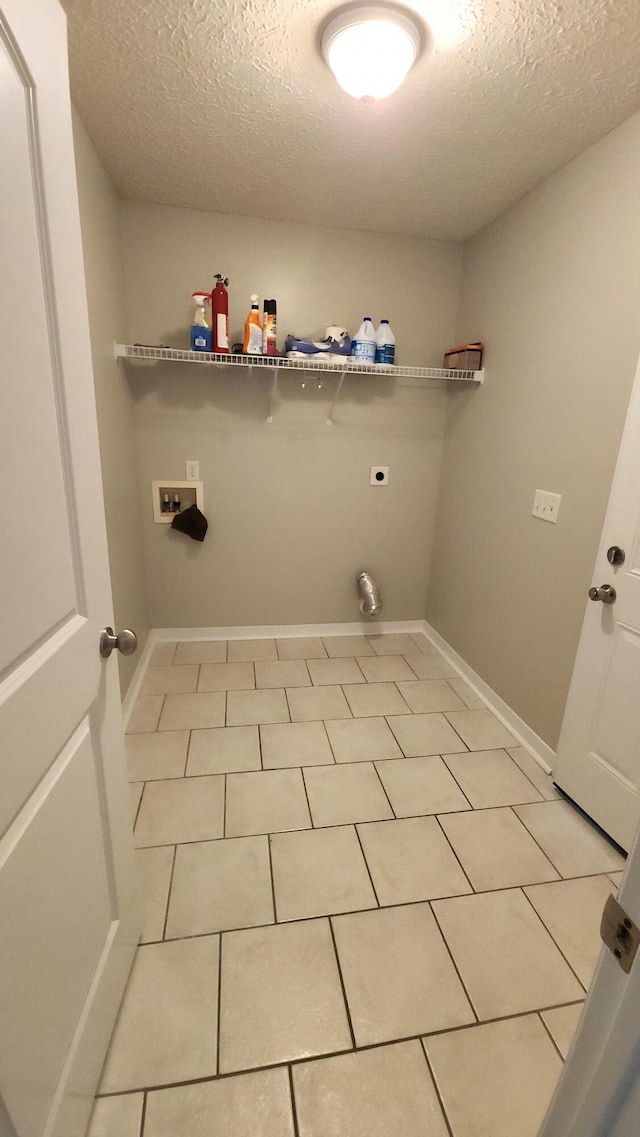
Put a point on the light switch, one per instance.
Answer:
(546, 505)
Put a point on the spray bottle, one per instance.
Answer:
(252, 343)
(220, 314)
(200, 329)
(269, 346)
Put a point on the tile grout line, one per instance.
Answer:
(262, 765)
(395, 684)
(397, 740)
(294, 1108)
(273, 883)
(143, 1114)
(467, 749)
(551, 936)
(306, 794)
(166, 913)
(349, 762)
(286, 699)
(384, 790)
(454, 964)
(333, 1053)
(373, 821)
(342, 983)
(554, 1043)
(493, 750)
(329, 743)
(322, 915)
(535, 840)
(219, 1008)
(459, 862)
(364, 855)
(524, 775)
(466, 798)
(436, 1087)
(159, 718)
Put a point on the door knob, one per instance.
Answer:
(606, 593)
(126, 642)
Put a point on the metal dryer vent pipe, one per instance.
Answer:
(370, 597)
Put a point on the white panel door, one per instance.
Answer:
(67, 921)
(598, 1094)
(598, 758)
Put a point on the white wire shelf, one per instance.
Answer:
(141, 354)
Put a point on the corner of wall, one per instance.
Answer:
(552, 287)
(99, 218)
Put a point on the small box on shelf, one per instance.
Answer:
(467, 357)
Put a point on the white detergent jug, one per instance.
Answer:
(364, 344)
(385, 344)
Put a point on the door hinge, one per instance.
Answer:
(619, 933)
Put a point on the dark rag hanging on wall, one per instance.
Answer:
(192, 522)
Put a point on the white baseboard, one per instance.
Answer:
(526, 737)
(133, 690)
(289, 631)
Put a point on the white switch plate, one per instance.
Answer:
(379, 476)
(193, 470)
(546, 505)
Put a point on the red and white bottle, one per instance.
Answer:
(220, 314)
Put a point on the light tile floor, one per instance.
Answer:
(366, 909)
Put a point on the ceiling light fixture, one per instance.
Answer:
(371, 49)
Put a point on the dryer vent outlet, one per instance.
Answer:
(370, 596)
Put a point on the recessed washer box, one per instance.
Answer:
(189, 493)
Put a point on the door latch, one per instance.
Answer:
(619, 933)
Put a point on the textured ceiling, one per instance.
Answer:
(227, 105)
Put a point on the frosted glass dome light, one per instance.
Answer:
(371, 50)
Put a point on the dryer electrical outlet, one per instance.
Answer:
(546, 505)
(379, 476)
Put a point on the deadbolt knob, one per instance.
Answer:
(615, 555)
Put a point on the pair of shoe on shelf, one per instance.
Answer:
(334, 348)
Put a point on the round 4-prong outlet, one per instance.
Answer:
(379, 476)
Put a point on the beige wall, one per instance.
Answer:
(292, 516)
(99, 217)
(553, 287)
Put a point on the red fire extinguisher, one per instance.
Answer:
(220, 314)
